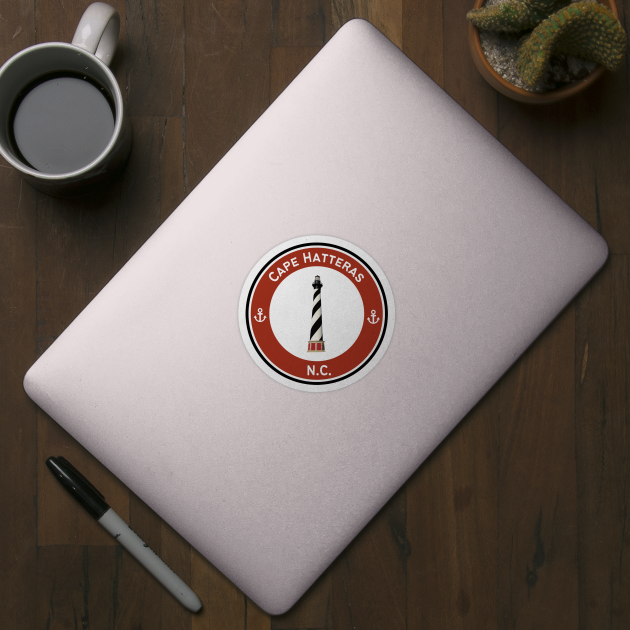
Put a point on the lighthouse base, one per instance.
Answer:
(316, 346)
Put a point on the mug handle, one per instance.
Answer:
(98, 30)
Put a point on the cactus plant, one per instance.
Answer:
(513, 16)
(584, 29)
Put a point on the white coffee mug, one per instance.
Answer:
(56, 66)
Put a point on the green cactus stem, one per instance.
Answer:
(584, 29)
(513, 16)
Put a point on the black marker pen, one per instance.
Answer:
(94, 502)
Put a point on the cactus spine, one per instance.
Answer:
(584, 29)
(513, 16)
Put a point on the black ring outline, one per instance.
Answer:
(273, 367)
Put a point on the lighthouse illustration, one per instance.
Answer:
(316, 342)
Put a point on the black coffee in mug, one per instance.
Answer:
(61, 122)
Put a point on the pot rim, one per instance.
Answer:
(514, 92)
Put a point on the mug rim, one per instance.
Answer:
(118, 122)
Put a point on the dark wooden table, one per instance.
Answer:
(518, 520)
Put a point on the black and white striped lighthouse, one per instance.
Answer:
(316, 342)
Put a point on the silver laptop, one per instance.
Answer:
(317, 315)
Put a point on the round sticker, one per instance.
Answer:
(316, 313)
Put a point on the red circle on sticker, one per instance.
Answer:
(357, 283)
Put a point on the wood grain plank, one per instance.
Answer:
(300, 22)
(224, 606)
(143, 601)
(537, 536)
(60, 589)
(461, 78)
(154, 57)
(76, 587)
(285, 64)
(61, 520)
(226, 78)
(423, 36)
(452, 527)
(140, 600)
(609, 126)
(255, 617)
(558, 147)
(17, 28)
(312, 611)
(603, 443)
(130, 580)
(566, 148)
(369, 577)
(572, 147)
(100, 586)
(18, 416)
(152, 185)
(18, 420)
(171, 157)
(176, 552)
(386, 15)
(74, 245)
(608, 137)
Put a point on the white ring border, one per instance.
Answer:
(391, 314)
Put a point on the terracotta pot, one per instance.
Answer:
(518, 94)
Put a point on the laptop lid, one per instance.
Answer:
(317, 315)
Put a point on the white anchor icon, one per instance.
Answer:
(260, 317)
(373, 319)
